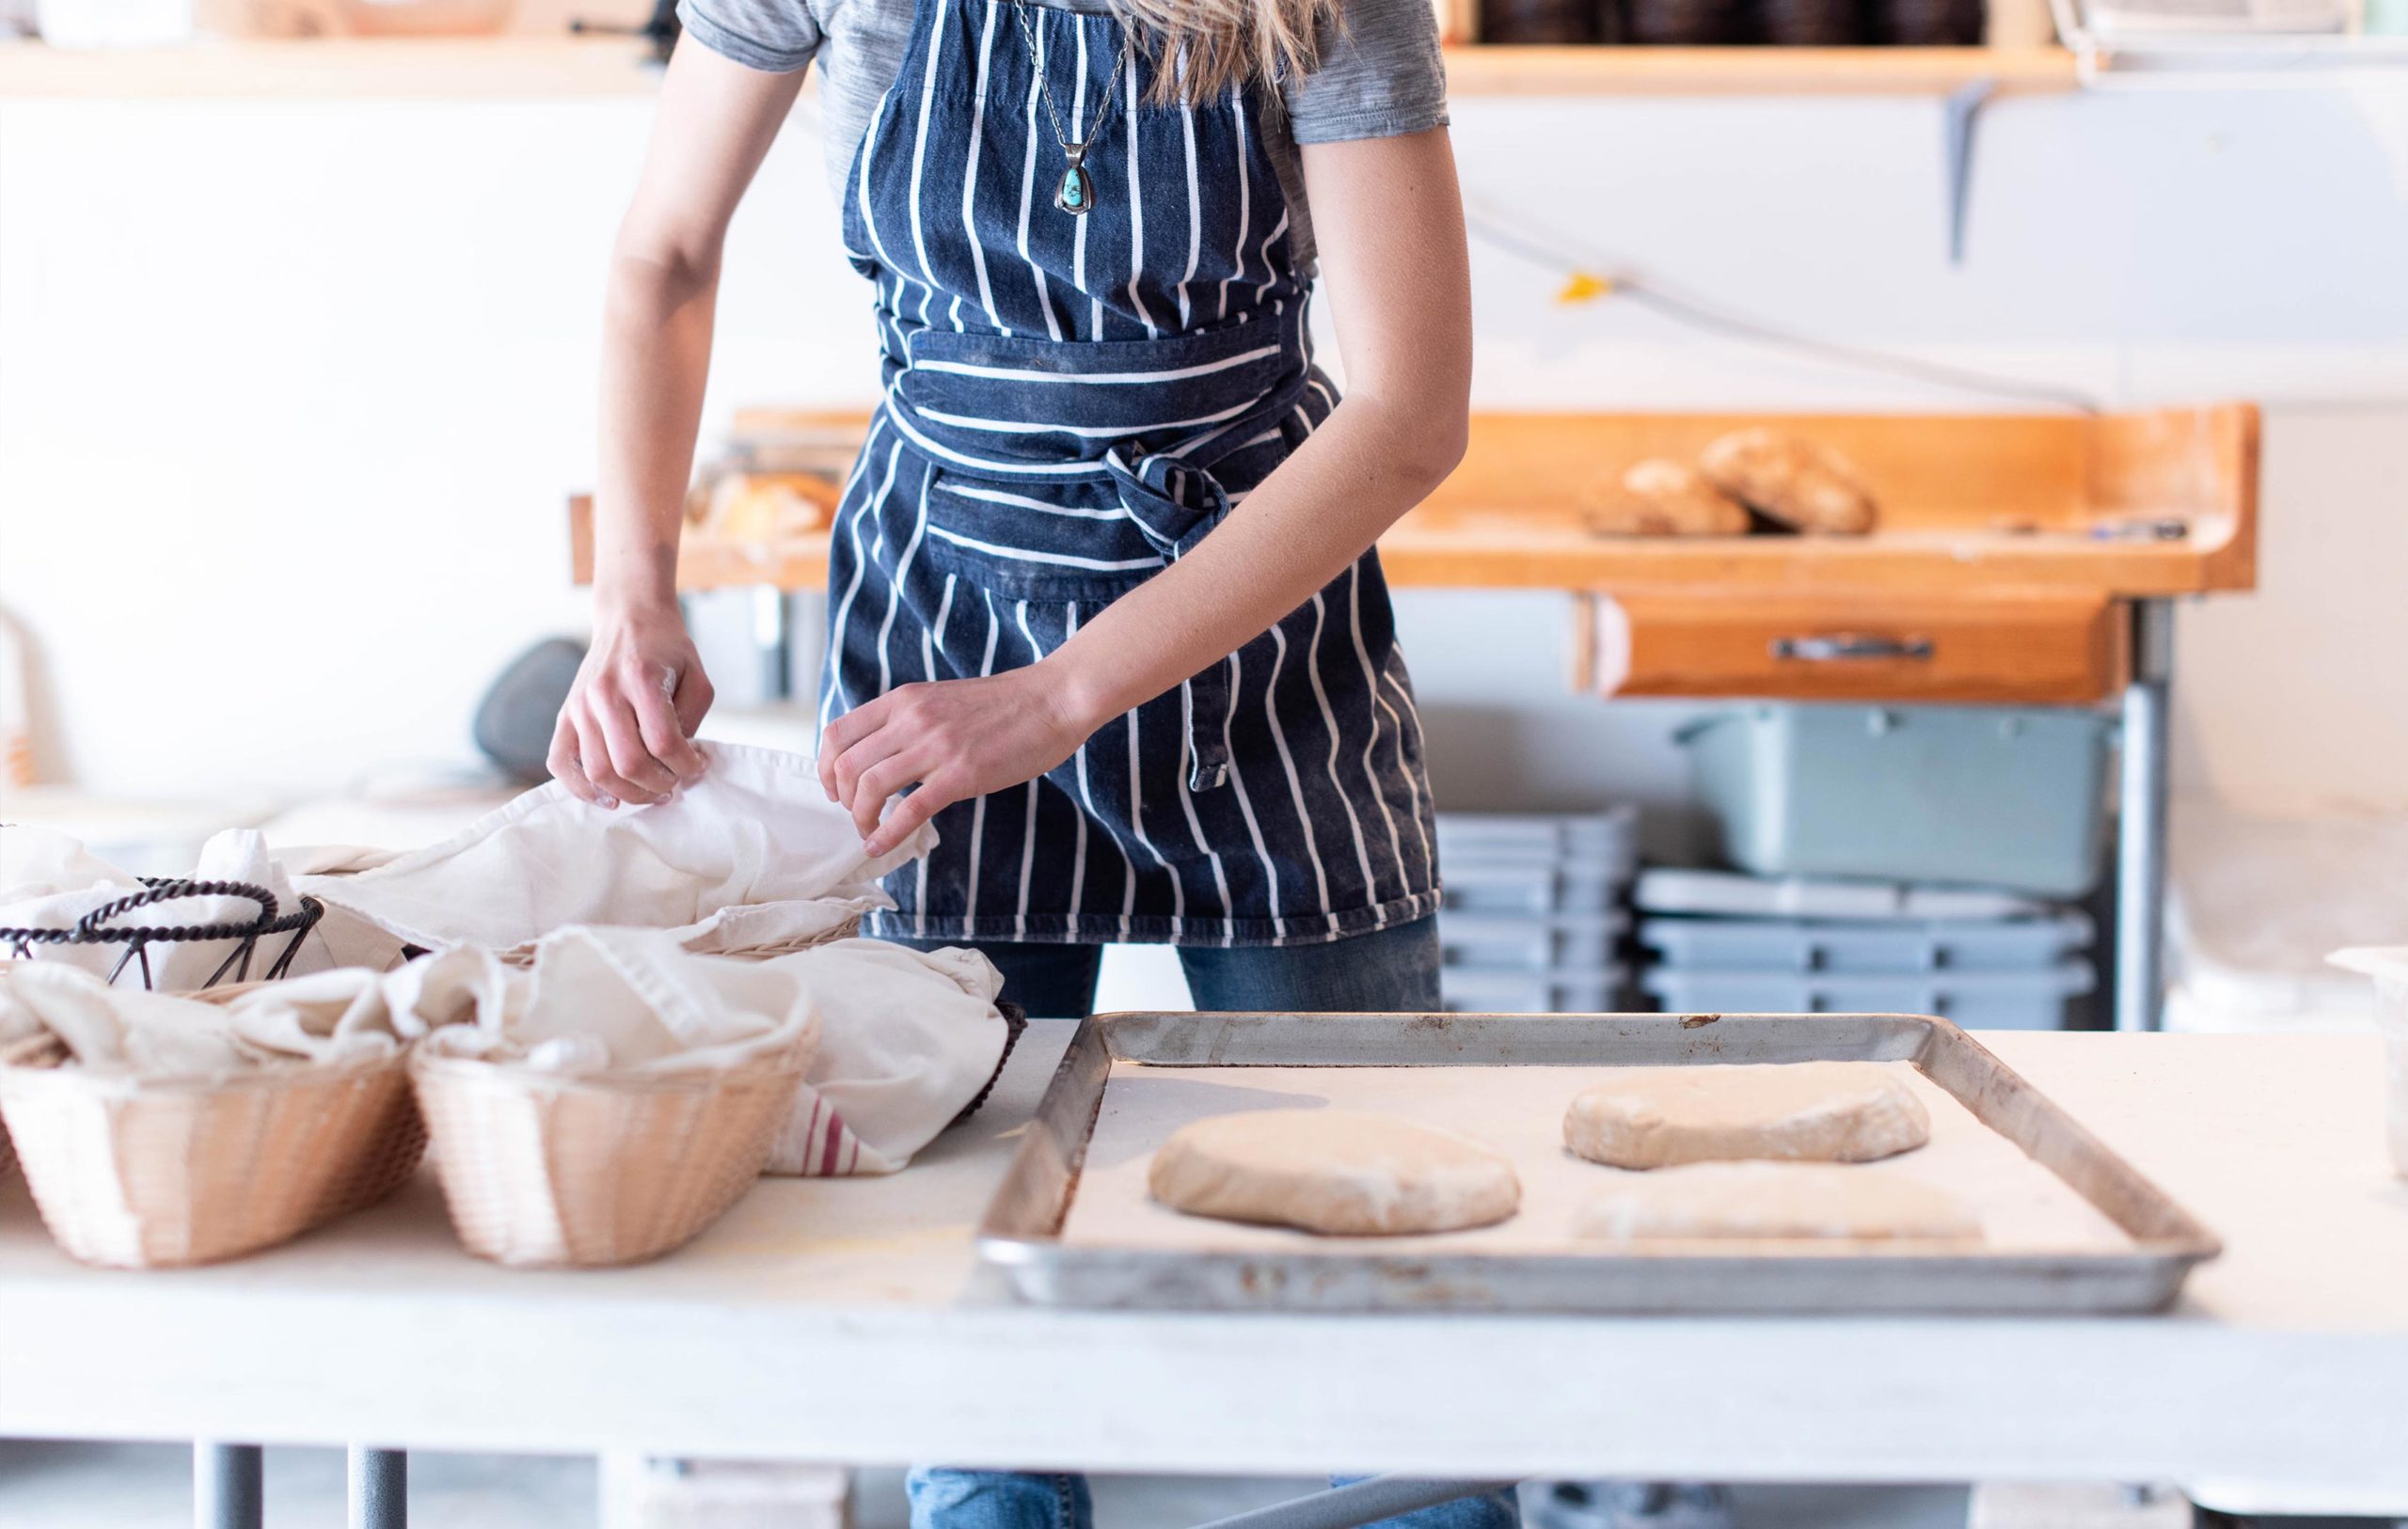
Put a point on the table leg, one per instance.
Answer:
(380, 1488)
(226, 1491)
(1356, 1504)
(773, 635)
(2140, 894)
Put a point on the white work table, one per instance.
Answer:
(845, 1320)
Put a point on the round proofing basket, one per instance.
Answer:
(544, 1171)
(133, 1173)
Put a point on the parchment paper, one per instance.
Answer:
(1518, 1111)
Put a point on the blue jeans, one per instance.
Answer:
(1393, 969)
(1013, 1500)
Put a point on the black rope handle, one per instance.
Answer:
(88, 930)
(92, 928)
(1015, 1023)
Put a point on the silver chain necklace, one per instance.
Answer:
(1076, 194)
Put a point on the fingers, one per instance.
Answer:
(878, 782)
(563, 761)
(855, 743)
(936, 794)
(842, 734)
(593, 756)
(661, 732)
(692, 699)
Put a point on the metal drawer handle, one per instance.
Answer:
(1846, 649)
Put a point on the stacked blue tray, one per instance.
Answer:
(1536, 910)
(1725, 943)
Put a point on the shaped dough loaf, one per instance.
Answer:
(1344, 1172)
(1826, 1111)
(1779, 1201)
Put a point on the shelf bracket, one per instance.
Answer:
(1960, 111)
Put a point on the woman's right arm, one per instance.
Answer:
(623, 735)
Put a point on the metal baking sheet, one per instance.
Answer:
(2071, 1228)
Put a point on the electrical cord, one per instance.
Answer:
(1601, 278)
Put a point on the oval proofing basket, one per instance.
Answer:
(547, 1171)
(134, 1173)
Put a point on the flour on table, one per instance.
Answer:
(1347, 1173)
(1812, 1112)
(1776, 1202)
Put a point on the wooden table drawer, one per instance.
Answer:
(1831, 645)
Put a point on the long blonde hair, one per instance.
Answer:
(1207, 46)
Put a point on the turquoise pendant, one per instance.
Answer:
(1076, 194)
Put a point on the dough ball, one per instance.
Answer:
(1813, 1112)
(1776, 1201)
(1346, 1173)
(1793, 480)
(1660, 496)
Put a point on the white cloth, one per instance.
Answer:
(605, 1001)
(37, 863)
(907, 1040)
(330, 1016)
(48, 880)
(752, 859)
(897, 1042)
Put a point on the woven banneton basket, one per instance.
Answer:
(152, 1173)
(545, 1171)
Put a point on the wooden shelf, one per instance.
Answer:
(1971, 504)
(549, 66)
(342, 67)
(1487, 69)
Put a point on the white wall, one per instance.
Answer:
(291, 392)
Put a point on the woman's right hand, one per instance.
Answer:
(626, 732)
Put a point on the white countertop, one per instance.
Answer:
(843, 1320)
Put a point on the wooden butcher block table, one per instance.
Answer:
(848, 1320)
(2026, 558)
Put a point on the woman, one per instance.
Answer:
(1102, 600)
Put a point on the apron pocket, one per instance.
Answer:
(1066, 541)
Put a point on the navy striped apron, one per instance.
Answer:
(1071, 402)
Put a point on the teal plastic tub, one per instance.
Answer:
(2009, 797)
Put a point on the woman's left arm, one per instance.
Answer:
(1389, 221)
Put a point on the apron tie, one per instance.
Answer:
(1176, 504)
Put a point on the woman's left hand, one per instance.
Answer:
(954, 739)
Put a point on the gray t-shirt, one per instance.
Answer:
(1381, 76)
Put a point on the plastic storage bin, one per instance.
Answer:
(1607, 841)
(1975, 1000)
(1795, 945)
(1584, 942)
(1504, 990)
(1534, 916)
(2006, 796)
(1731, 894)
(1535, 887)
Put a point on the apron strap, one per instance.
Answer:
(1176, 504)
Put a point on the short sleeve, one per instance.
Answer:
(1381, 76)
(774, 36)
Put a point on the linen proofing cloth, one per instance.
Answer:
(907, 1040)
(49, 880)
(605, 1001)
(751, 859)
(899, 1042)
(1073, 402)
(327, 1017)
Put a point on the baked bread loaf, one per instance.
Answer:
(1658, 496)
(1795, 481)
